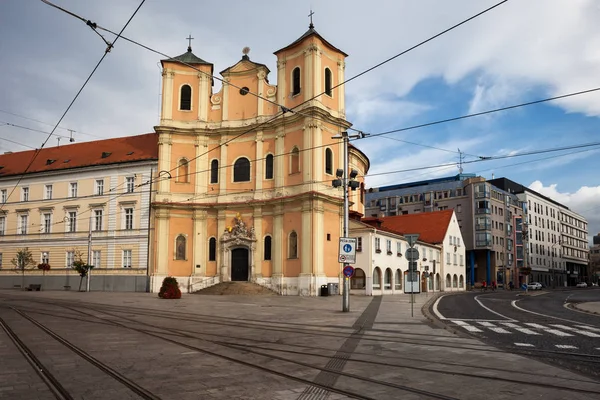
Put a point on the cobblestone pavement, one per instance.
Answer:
(262, 347)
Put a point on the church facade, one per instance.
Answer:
(244, 190)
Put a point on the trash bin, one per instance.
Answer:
(324, 290)
(333, 289)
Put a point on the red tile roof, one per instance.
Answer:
(431, 226)
(117, 150)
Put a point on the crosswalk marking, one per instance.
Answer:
(565, 346)
(589, 328)
(520, 329)
(493, 327)
(524, 344)
(580, 331)
(467, 326)
(549, 330)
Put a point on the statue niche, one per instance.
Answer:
(238, 244)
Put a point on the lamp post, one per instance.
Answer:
(346, 180)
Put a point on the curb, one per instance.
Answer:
(574, 306)
(437, 322)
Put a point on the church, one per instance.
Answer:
(244, 189)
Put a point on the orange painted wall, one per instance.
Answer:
(243, 107)
(332, 225)
(180, 151)
(246, 148)
(292, 221)
(292, 139)
(180, 223)
(211, 231)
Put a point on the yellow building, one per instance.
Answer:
(250, 196)
(48, 207)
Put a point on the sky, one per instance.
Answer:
(518, 52)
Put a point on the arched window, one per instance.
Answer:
(376, 278)
(296, 81)
(448, 280)
(214, 171)
(180, 243)
(327, 81)
(387, 279)
(293, 245)
(267, 249)
(295, 161)
(328, 161)
(455, 281)
(241, 170)
(358, 279)
(212, 249)
(182, 170)
(269, 166)
(461, 282)
(185, 99)
(398, 280)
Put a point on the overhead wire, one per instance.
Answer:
(47, 123)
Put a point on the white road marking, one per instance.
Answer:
(588, 328)
(435, 309)
(524, 344)
(580, 331)
(520, 329)
(468, 327)
(492, 311)
(549, 330)
(565, 346)
(514, 304)
(493, 327)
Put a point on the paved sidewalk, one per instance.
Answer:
(591, 307)
(378, 340)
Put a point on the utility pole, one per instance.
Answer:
(89, 257)
(345, 181)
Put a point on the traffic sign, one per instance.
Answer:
(411, 254)
(347, 252)
(348, 271)
(411, 238)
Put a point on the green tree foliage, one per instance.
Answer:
(23, 259)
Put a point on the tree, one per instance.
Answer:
(23, 260)
(80, 266)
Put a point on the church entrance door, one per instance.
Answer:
(239, 264)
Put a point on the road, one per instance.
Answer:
(538, 324)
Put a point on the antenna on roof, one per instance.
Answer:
(71, 138)
(58, 138)
(461, 158)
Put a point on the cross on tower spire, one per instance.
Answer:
(190, 38)
(311, 26)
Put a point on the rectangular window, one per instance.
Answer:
(98, 220)
(130, 184)
(126, 258)
(48, 192)
(25, 194)
(483, 239)
(455, 263)
(4, 196)
(359, 244)
(23, 221)
(462, 261)
(2, 225)
(47, 222)
(99, 187)
(73, 189)
(377, 245)
(389, 246)
(398, 247)
(96, 258)
(129, 218)
(45, 257)
(70, 259)
(72, 221)
(447, 258)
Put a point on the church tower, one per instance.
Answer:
(245, 188)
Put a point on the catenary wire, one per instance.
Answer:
(49, 124)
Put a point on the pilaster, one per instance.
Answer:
(202, 167)
(261, 90)
(278, 240)
(225, 102)
(203, 96)
(305, 240)
(162, 238)
(281, 82)
(258, 252)
(167, 103)
(259, 164)
(221, 266)
(280, 159)
(309, 72)
(164, 156)
(223, 169)
(199, 242)
(318, 216)
(341, 89)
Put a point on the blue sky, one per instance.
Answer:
(520, 51)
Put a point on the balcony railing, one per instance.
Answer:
(482, 195)
(482, 211)
(483, 243)
(483, 227)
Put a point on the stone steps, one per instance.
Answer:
(237, 288)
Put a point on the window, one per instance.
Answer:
(0, 260)
(47, 222)
(127, 258)
(23, 221)
(25, 194)
(398, 280)
(398, 248)
(458, 208)
(98, 220)
(359, 244)
(129, 218)
(4, 195)
(377, 245)
(72, 216)
(293, 245)
(48, 192)
(241, 170)
(327, 81)
(96, 254)
(295, 161)
(455, 263)
(182, 171)
(214, 171)
(328, 161)
(130, 181)
(2, 225)
(45, 257)
(212, 249)
(389, 246)
(99, 187)
(70, 258)
(180, 243)
(296, 81)
(185, 99)
(448, 258)
(269, 166)
(376, 279)
(267, 248)
(387, 279)
(73, 189)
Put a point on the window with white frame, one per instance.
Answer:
(48, 192)
(4, 196)
(359, 244)
(47, 222)
(72, 217)
(73, 189)
(128, 218)
(45, 257)
(96, 258)
(2, 225)
(388, 246)
(455, 263)
(430, 254)
(25, 194)
(99, 187)
(458, 241)
(70, 258)
(398, 247)
(98, 214)
(447, 258)
(127, 258)
(0, 260)
(23, 222)
(462, 260)
(130, 184)
(378, 245)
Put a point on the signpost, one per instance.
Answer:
(348, 271)
(347, 255)
(412, 255)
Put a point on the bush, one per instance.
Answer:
(44, 266)
(169, 289)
